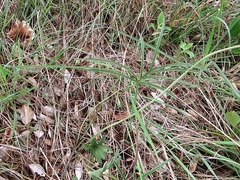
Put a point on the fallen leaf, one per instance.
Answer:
(46, 118)
(57, 91)
(48, 111)
(67, 75)
(21, 30)
(3, 152)
(38, 131)
(79, 170)
(171, 110)
(95, 129)
(26, 114)
(32, 81)
(67, 155)
(24, 134)
(37, 168)
(6, 135)
(192, 166)
(121, 115)
(149, 58)
(48, 142)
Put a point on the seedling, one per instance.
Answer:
(97, 149)
(185, 49)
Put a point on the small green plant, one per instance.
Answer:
(97, 149)
(107, 165)
(160, 27)
(234, 119)
(185, 49)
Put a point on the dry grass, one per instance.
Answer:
(81, 78)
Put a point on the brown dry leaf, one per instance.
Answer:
(192, 166)
(26, 114)
(46, 118)
(171, 110)
(121, 115)
(3, 152)
(21, 30)
(6, 135)
(48, 142)
(86, 49)
(33, 81)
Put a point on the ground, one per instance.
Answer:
(119, 89)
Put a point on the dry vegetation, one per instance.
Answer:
(82, 71)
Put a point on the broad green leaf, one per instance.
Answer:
(233, 118)
(160, 19)
(183, 45)
(189, 45)
(97, 150)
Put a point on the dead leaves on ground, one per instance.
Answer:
(21, 30)
(26, 114)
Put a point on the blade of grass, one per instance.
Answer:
(233, 89)
(182, 165)
(143, 126)
(155, 168)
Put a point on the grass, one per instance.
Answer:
(120, 90)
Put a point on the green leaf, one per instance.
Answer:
(97, 150)
(160, 19)
(98, 173)
(151, 25)
(182, 45)
(190, 53)
(189, 45)
(236, 51)
(235, 27)
(233, 118)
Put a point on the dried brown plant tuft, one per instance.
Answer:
(22, 30)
